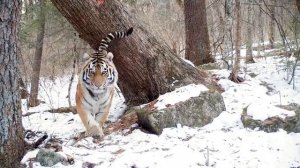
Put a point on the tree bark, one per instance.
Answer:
(249, 41)
(261, 45)
(228, 31)
(180, 3)
(25, 6)
(236, 63)
(272, 24)
(298, 5)
(30, 2)
(147, 67)
(196, 30)
(36, 66)
(11, 130)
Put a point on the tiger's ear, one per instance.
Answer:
(110, 56)
(86, 56)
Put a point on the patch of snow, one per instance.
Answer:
(29, 155)
(179, 94)
(58, 125)
(118, 106)
(188, 61)
(262, 111)
(224, 143)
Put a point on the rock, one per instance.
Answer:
(88, 165)
(49, 158)
(209, 66)
(252, 75)
(194, 112)
(273, 124)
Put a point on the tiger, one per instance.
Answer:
(96, 86)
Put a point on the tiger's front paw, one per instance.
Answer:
(95, 131)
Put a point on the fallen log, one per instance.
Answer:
(57, 110)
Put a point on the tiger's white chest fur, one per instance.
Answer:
(97, 102)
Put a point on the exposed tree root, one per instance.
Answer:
(250, 61)
(235, 78)
(37, 143)
(124, 124)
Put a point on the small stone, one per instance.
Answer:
(48, 158)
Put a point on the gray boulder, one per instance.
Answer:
(273, 124)
(49, 158)
(194, 112)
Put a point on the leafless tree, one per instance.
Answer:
(249, 40)
(272, 23)
(261, 25)
(236, 63)
(36, 66)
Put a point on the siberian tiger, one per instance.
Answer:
(96, 86)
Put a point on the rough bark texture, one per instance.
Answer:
(298, 5)
(146, 66)
(272, 23)
(196, 30)
(236, 64)
(228, 24)
(11, 131)
(180, 3)
(261, 46)
(36, 67)
(249, 41)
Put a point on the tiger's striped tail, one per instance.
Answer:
(111, 36)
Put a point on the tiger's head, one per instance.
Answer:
(99, 72)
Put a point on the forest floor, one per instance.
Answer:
(224, 143)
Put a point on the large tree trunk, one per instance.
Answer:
(36, 66)
(196, 30)
(146, 66)
(11, 130)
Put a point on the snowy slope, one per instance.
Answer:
(224, 143)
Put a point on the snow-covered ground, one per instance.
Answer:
(224, 143)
